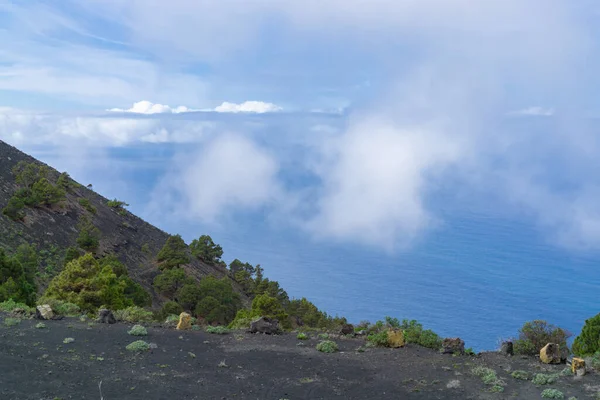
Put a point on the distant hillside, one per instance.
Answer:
(54, 229)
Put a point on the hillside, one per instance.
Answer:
(54, 229)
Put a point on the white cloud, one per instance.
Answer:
(248, 107)
(147, 107)
(534, 112)
(228, 173)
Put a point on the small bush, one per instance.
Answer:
(133, 314)
(323, 336)
(10, 305)
(522, 375)
(11, 321)
(497, 389)
(544, 379)
(68, 340)
(85, 203)
(170, 308)
(552, 394)
(378, 339)
(172, 319)
(302, 336)
(138, 330)
(327, 346)
(218, 330)
(488, 376)
(138, 345)
(588, 343)
(536, 334)
(40, 325)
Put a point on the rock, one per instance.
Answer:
(19, 312)
(44, 312)
(453, 346)
(106, 317)
(550, 354)
(185, 322)
(347, 329)
(507, 349)
(395, 338)
(578, 366)
(264, 325)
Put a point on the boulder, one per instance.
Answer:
(550, 354)
(347, 329)
(266, 325)
(44, 312)
(578, 366)
(185, 322)
(106, 317)
(19, 312)
(507, 349)
(395, 338)
(453, 346)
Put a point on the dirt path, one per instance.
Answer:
(36, 364)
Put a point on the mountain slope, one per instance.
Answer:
(53, 229)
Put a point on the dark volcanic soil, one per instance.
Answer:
(36, 364)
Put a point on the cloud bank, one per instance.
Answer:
(248, 107)
(147, 107)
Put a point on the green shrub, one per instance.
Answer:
(544, 379)
(205, 249)
(14, 209)
(133, 314)
(522, 375)
(488, 376)
(89, 235)
(218, 330)
(379, 339)
(327, 346)
(552, 394)
(10, 305)
(302, 336)
(588, 341)
(534, 335)
(497, 389)
(242, 320)
(116, 204)
(40, 325)
(138, 330)
(170, 308)
(173, 254)
(138, 345)
(68, 340)
(414, 333)
(85, 203)
(11, 321)
(16, 282)
(172, 319)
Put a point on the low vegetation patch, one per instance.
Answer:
(488, 376)
(138, 345)
(68, 340)
(138, 330)
(544, 379)
(10, 305)
(133, 314)
(552, 394)
(327, 346)
(217, 330)
(519, 374)
(11, 321)
(40, 325)
(61, 307)
(302, 336)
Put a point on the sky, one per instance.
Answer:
(351, 123)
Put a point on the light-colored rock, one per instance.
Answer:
(44, 312)
(578, 366)
(395, 338)
(185, 322)
(550, 354)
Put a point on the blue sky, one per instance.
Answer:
(352, 124)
